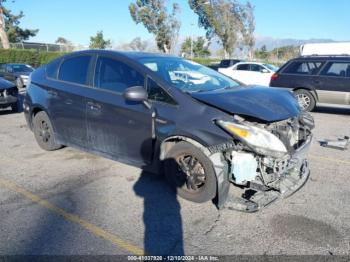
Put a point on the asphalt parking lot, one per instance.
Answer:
(72, 203)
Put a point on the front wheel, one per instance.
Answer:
(305, 99)
(43, 132)
(190, 172)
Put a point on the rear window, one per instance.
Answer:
(337, 69)
(304, 68)
(75, 70)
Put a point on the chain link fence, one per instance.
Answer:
(45, 47)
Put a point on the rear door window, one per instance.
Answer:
(116, 76)
(243, 67)
(304, 68)
(337, 69)
(75, 70)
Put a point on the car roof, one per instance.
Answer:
(322, 58)
(129, 54)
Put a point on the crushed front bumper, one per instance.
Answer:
(7, 101)
(292, 180)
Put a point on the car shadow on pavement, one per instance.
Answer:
(333, 110)
(163, 233)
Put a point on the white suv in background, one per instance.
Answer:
(250, 73)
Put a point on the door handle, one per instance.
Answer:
(94, 106)
(52, 93)
(68, 102)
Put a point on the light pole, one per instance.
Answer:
(192, 40)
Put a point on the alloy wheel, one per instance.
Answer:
(304, 101)
(44, 131)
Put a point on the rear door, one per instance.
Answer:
(333, 85)
(67, 102)
(300, 74)
(242, 73)
(117, 128)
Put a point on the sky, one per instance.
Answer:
(77, 20)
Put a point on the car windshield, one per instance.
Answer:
(271, 67)
(22, 68)
(186, 75)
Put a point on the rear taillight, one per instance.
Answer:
(274, 77)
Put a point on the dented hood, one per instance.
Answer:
(264, 103)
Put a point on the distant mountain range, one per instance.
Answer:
(272, 43)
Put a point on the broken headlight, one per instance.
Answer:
(258, 139)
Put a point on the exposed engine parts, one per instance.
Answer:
(264, 174)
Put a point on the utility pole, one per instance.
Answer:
(192, 40)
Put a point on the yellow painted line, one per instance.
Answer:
(339, 161)
(97, 231)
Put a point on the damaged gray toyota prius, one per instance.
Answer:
(204, 131)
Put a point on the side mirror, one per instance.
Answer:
(264, 71)
(136, 94)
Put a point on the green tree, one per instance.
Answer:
(186, 47)
(62, 40)
(9, 27)
(98, 41)
(226, 19)
(137, 44)
(154, 16)
(248, 28)
(199, 47)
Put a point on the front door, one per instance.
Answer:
(117, 128)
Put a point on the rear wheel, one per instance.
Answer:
(190, 172)
(43, 132)
(305, 99)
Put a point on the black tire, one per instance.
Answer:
(305, 100)
(19, 83)
(15, 108)
(198, 185)
(43, 132)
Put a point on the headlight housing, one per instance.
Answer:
(258, 139)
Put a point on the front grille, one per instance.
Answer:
(8, 92)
